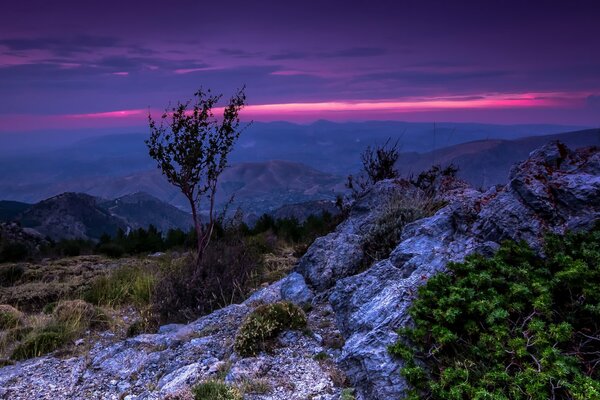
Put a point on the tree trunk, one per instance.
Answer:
(199, 233)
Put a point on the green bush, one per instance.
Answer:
(516, 326)
(399, 211)
(40, 342)
(127, 284)
(264, 323)
(10, 317)
(69, 320)
(10, 274)
(215, 390)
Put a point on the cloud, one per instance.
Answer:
(238, 53)
(354, 52)
(61, 46)
(288, 55)
(593, 101)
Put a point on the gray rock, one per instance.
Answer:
(295, 289)
(554, 190)
(339, 254)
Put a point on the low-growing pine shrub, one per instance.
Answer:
(515, 326)
(266, 322)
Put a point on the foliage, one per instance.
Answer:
(68, 321)
(429, 181)
(10, 317)
(13, 251)
(347, 394)
(228, 267)
(10, 274)
(264, 323)
(293, 231)
(378, 164)
(516, 326)
(191, 147)
(398, 211)
(128, 284)
(215, 390)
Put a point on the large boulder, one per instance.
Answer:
(340, 253)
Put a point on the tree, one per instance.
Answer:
(191, 147)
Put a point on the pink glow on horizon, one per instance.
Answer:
(123, 73)
(306, 112)
(413, 105)
(110, 114)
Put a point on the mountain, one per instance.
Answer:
(71, 216)
(317, 156)
(81, 216)
(487, 162)
(10, 209)
(140, 210)
(257, 187)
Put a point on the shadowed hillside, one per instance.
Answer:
(487, 162)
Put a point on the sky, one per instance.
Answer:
(97, 64)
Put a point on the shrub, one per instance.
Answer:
(127, 284)
(13, 251)
(347, 394)
(215, 390)
(77, 315)
(69, 319)
(228, 266)
(112, 250)
(10, 317)
(378, 163)
(10, 274)
(397, 213)
(40, 342)
(515, 326)
(264, 323)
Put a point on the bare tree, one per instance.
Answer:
(191, 147)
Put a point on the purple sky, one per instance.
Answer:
(78, 64)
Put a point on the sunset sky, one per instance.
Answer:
(94, 64)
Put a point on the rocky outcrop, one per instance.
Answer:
(355, 310)
(555, 190)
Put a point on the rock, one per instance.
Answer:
(339, 254)
(295, 289)
(331, 257)
(554, 190)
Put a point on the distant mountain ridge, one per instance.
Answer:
(81, 216)
(257, 187)
(277, 163)
(487, 162)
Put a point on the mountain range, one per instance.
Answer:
(267, 172)
(81, 216)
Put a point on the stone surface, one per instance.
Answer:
(556, 189)
(295, 289)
